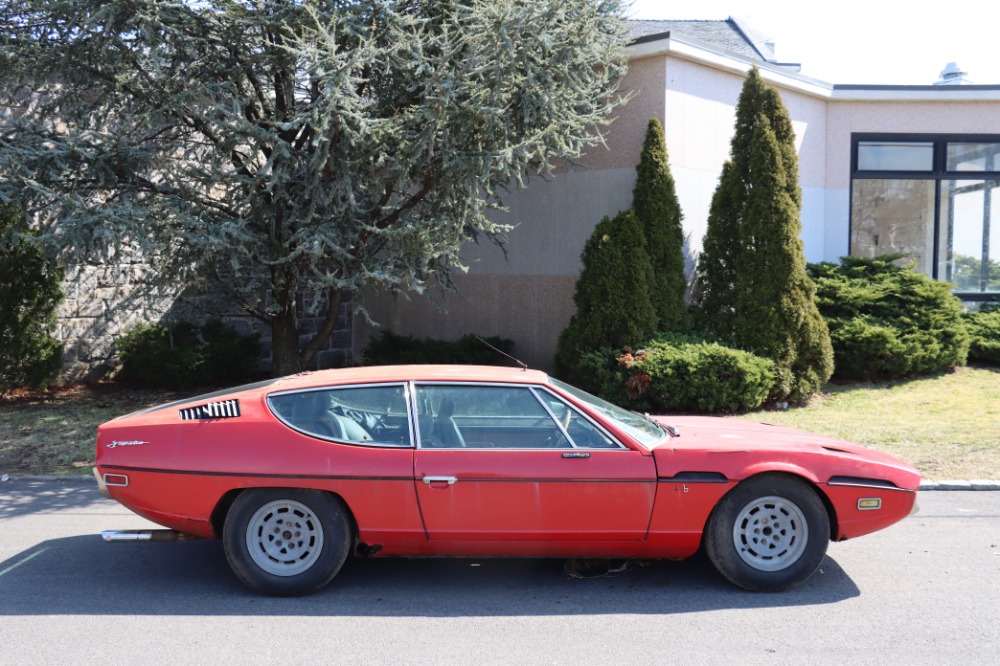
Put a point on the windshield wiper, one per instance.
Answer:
(669, 428)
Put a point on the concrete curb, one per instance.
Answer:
(973, 484)
(62, 478)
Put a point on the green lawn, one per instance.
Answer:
(947, 426)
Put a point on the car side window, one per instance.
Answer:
(585, 435)
(481, 417)
(374, 415)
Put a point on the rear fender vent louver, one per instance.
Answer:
(223, 409)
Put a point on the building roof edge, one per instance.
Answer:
(787, 76)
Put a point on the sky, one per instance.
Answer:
(862, 41)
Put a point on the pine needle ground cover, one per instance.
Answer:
(948, 426)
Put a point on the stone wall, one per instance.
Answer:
(102, 301)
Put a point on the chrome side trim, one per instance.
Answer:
(108, 484)
(857, 482)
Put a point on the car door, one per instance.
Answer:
(510, 462)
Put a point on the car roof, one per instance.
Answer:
(402, 373)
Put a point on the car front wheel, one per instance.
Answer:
(286, 541)
(768, 534)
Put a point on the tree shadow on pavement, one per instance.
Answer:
(24, 497)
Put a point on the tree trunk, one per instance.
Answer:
(325, 328)
(285, 344)
(286, 358)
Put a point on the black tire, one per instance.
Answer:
(286, 541)
(768, 534)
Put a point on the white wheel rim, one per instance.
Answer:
(284, 538)
(770, 533)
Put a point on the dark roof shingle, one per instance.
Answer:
(725, 34)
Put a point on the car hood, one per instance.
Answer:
(731, 434)
(717, 435)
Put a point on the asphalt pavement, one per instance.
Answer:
(925, 591)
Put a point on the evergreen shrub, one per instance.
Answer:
(654, 200)
(392, 349)
(613, 308)
(30, 292)
(888, 321)
(753, 292)
(984, 331)
(682, 373)
(184, 354)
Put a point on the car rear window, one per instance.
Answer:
(372, 415)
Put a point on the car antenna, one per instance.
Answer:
(524, 366)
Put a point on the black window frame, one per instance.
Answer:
(938, 173)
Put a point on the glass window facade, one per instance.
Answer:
(935, 200)
(969, 208)
(973, 156)
(895, 156)
(894, 215)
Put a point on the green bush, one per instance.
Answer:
(30, 292)
(186, 354)
(393, 349)
(685, 373)
(888, 321)
(613, 308)
(984, 330)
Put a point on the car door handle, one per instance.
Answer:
(450, 480)
(576, 454)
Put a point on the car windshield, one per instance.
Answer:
(642, 429)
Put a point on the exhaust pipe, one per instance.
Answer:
(145, 535)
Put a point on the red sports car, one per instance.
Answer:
(295, 474)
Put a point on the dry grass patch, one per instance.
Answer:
(947, 426)
(53, 432)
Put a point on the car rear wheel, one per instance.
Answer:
(768, 534)
(286, 541)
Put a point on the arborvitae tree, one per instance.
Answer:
(755, 293)
(274, 149)
(715, 277)
(655, 203)
(29, 294)
(612, 294)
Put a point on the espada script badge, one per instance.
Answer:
(128, 442)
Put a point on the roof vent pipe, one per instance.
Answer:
(952, 75)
